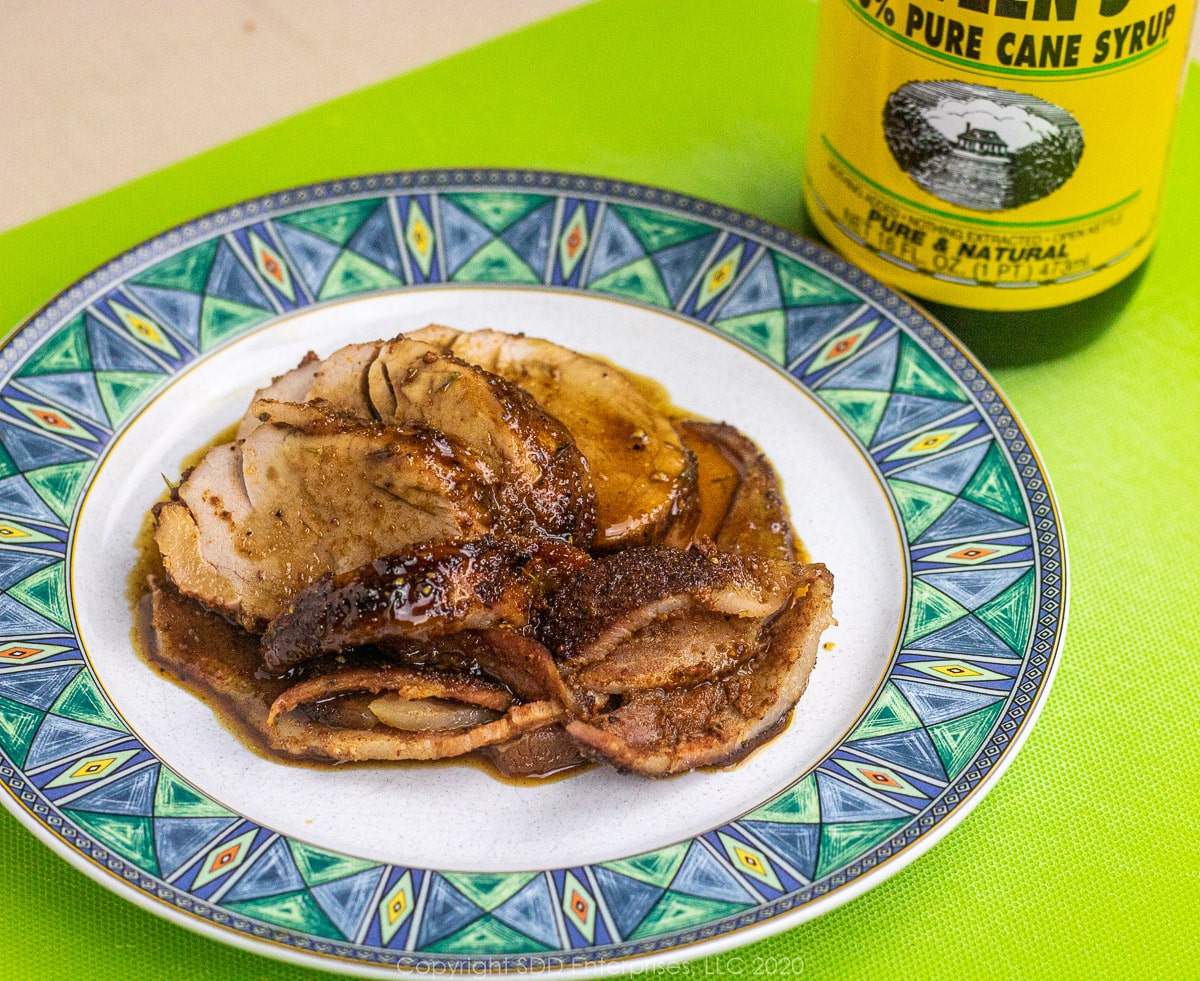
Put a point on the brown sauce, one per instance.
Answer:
(716, 479)
(218, 662)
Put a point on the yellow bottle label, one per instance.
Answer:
(994, 154)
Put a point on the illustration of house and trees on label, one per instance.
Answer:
(978, 147)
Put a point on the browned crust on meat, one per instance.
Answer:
(626, 590)
(660, 732)
(674, 652)
(430, 590)
(520, 663)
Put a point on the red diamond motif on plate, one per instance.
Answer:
(843, 346)
(880, 778)
(52, 419)
(221, 859)
(574, 240)
(272, 267)
(971, 553)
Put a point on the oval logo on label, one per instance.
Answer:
(979, 147)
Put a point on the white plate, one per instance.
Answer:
(904, 470)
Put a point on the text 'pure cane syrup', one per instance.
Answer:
(1001, 160)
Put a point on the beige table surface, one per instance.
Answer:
(94, 93)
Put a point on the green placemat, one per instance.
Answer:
(1081, 862)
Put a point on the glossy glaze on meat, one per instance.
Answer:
(379, 446)
(425, 592)
(543, 485)
(255, 522)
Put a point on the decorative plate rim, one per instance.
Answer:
(761, 242)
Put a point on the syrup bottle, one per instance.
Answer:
(1000, 160)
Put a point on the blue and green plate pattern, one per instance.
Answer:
(982, 628)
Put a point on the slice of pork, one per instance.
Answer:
(218, 661)
(255, 522)
(755, 519)
(407, 683)
(427, 591)
(644, 477)
(502, 654)
(542, 480)
(658, 732)
(620, 595)
(539, 753)
(672, 652)
(340, 380)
